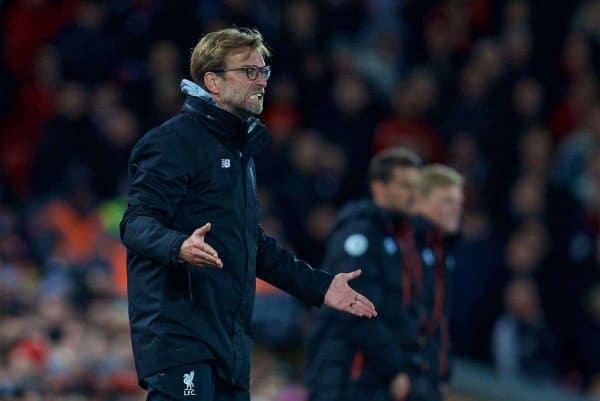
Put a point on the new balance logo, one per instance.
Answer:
(188, 380)
(225, 163)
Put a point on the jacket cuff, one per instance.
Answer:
(325, 282)
(174, 250)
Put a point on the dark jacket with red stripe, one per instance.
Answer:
(348, 352)
(432, 285)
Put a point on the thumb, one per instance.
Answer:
(354, 274)
(203, 230)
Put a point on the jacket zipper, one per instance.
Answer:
(245, 180)
(187, 178)
(245, 222)
(190, 285)
(245, 167)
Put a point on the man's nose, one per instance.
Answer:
(261, 80)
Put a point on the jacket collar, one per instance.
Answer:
(250, 134)
(425, 228)
(366, 208)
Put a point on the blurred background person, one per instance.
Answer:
(505, 91)
(439, 208)
(522, 342)
(348, 358)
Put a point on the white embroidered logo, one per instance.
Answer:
(225, 163)
(188, 380)
(428, 257)
(356, 244)
(390, 245)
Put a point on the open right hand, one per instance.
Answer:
(197, 252)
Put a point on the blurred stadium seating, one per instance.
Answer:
(504, 91)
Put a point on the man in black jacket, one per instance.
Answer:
(439, 209)
(352, 359)
(194, 240)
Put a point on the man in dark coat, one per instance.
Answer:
(352, 359)
(194, 240)
(439, 209)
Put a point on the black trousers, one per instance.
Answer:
(193, 382)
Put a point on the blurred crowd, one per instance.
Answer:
(506, 92)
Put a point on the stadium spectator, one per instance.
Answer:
(56, 96)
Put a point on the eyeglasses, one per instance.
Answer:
(252, 71)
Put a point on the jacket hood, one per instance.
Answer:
(191, 88)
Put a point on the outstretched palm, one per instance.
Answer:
(342, 297)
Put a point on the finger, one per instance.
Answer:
(366, 308)
(365, 300)
(204, 247)
(352, 275)
(361, 309)
(355, 309)
(358, 303)
(202, 230)
(201, 262)
(207, 258)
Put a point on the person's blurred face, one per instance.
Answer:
(527, 98)
(301, 18)
(72, 101)
(527, 198)
(526, 248)
(304, 148)
(443, 206)
(236, 93)
(522, 300)
(399, 192)
(350, 94)
(164, 58)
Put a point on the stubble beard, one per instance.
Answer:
(252, 108)
(244, 108)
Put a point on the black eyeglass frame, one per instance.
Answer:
(252, 76)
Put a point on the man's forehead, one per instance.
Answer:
(403, 172)
(450, 190)
(244, 56)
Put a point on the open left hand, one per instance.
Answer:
(342, 297)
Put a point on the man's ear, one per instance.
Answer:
(376, 188)
(212, 83)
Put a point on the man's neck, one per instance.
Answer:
(392, 212)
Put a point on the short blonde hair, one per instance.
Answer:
(439, 176)
(211, 50)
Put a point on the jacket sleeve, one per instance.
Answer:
(281, 268)
(158, 182)
(372, 336)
